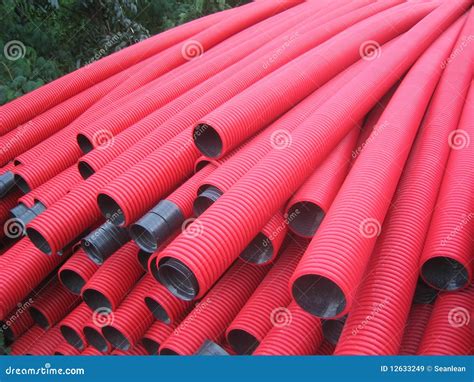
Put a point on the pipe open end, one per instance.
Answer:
(96, 339)
(116, 338)
(39, 240)
(307, 218)
(150, 346)
(85, 169)
(332, 330)
(72, 337)
(22, 184)
(206, 198)
(72, 281)
(178, 278)
(39, 318)
(157, 310)
(445, 273)
(259, 251)
(166, 351)
(92, 252)
(110, 209)
(207, 140)
(84, 143)
(143, 234)
(96, 300)
(7, 182)
(242, 341)
(319, 296)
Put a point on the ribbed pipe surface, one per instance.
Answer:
(415, 328)
(77, 271)
(71, 326)
(155, 336)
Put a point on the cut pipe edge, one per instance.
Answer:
(424, 293)
(151, 346)
(307, 218)
(259, 251)
(95, 339)
(85, 169)
(178, 278)
(22, 184)
(39, 318)
(7, 183)
(445, 273)
(25, 214)
(207, 140)
(208, 195)
(332, 329)
(84, 143)
(210, 348)
(39, 240)
(143, 258)
(72, 280)
(156, 226)
(72, 337)
(96, 300)
(319, 296)
(110, 209)
(243, 342)
(116, 338)
(158, 311)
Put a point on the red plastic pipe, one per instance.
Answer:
(267, 307)
(66, 349)
(17, 322)
(415, 328)
(155, 336)
(90, 350)
(124, 329)
(136, 350)
(71, 326)
(447, 261)
(311, 202)
(326, 348)
(448, 331)
(111, 283)
(46, 344)
(23, 344)
(210, 318)
(93, 334)
(77, 271)
(302, 335)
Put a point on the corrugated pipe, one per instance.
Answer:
(155, 227)
(208, 258)
(386, 291)
(136, 350)
(447, 261)
(12, 229)
(424, 294)
(212, 315)
(52, 303)
(76, 272)
(164, 306)
(101, 243)
(111, 283)
(311, 202)
(415, 328)
(326, 348)
(7, 182)
(232, 123)
(448, 331)
(92, 331)
(23, 344)
(301, 334)
(155, 336)
(72, 326)
(124, 331)
(90, 350)
(327, 277)
(66, 349)
(267, 307)
(211, 348)
(221, 88)
(40, 100)
(46, 344)
(25, 214)
(17, 322)
(332, 329)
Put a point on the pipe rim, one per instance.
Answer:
(95, 338)
(158, 311)
(259, 251)
(116, 338)
(84, 143)
(110, 209)
(72, 280)
(445, 273)
(85, 169)
(207, 140)
(243, 342)
(307, 220)
(39, 240)
(178, 278)
(72, 337)
(96, 300)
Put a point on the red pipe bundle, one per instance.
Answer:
(267, 307)
(90, 350)
(124, 330)
(113, 280)
(415, 328)
(71, 326)
(448, 331)
(448, 257)
(23, 344)
(66, 349)
(77, 271)
(156, 335)
(92, 331)
(301, 334)
(136, 350)
(17, 321)
(47, 343)
(213, 314)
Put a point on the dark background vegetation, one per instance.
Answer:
(63, 35)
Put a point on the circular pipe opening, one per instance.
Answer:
(332, 330)
(84, 143)
(150, 346)
(110, 209)
(445, 273)
(157, 310)
(22, 184)
(308, 218)
(259, 251)
(144, 238)
(208, 195)
(178, 278)
(116, 338)
(85, 169)
(38, 240)
(167, 351)
(96, 300)
(72, 281)
(39, 318)
(319, 296)
(207, 140)
(96, 339)
(71, 336)
(242, 342)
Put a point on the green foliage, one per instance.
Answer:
(58, 36)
